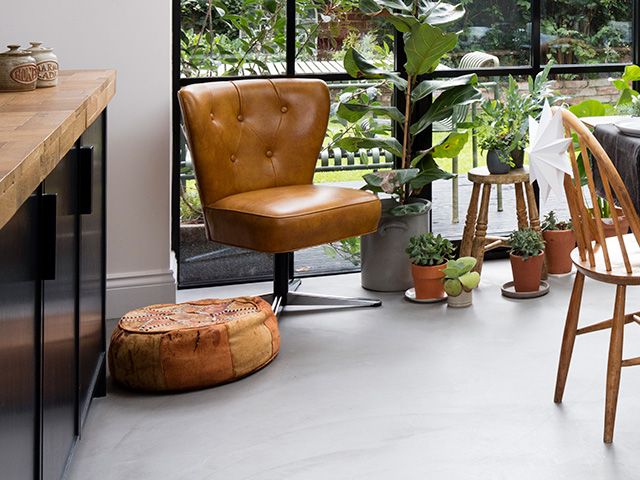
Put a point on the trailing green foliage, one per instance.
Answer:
(428, 249)
(458, 276)
(551, 222)
(526, 243)
(503, 124)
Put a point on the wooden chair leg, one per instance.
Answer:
(615, 364)
(569, 336)
(470, 222)
(481, 228)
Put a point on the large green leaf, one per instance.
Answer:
(427, 87)
(354, 144)
(439, 13)
(353, 112)
(373, 7)
(429, 172)
(631, 73)
(442, 106)
(403, 23)
(451, 146)
(424, 46)
(591, 108)
(359, 67)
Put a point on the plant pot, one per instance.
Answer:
(558, 247)
(609, 227)
(495, 166)
(385, 265)
(465, 299)
(527, 273)
(517, 156)
(427, 281)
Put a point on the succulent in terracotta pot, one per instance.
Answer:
(429, 254)
(527, 259)
(459, 281)
(560, 240)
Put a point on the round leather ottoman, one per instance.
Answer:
(193, 345)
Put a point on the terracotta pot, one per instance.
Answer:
(527, 273)
(465, 299)
(609, 227)
(428, 281)
(558, 247)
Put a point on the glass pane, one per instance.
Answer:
(236, 37)
(586, 32)
(342, 168)
(498, 27)
(327, 28)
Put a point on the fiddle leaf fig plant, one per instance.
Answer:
(458, 276)
(426, 42)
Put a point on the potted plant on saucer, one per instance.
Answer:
(527, 259)
(560, 240)
(459, 281)
(429, 254)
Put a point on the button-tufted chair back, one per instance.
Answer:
(253, 134)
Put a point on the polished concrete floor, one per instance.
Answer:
(404, 391)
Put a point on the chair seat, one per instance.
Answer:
(618, 274)
(284, 219)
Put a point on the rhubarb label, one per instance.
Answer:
(47, 70)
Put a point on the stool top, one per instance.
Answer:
(195, 314)
(482, 175)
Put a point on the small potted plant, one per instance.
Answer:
(527, 259)
(459, 281)
(607, 218)
(560, 240)
(429, 254)
(497, 136)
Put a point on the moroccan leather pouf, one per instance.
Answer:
(193, 345)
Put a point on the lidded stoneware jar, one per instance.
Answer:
(18, 70)
(47, 64)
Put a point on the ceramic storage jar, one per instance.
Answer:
(18, 70)
(47, 64)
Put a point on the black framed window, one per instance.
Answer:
(231, 40)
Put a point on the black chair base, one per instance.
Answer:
(284, 294)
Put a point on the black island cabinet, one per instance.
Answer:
(52, 297)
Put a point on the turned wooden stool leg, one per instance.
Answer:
(481, 228)
(534, 219)
(470, 223)
(615, 364)
(521, 207)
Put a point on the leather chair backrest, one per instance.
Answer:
(253, 134)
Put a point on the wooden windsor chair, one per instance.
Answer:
(614, 260)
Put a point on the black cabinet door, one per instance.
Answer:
(19, 342)
(91, 300)
(59, 362)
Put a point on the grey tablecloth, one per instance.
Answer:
(624, 152)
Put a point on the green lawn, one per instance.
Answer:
(465, 163)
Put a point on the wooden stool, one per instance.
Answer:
(475, 240)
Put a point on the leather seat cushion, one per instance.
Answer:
(284, 219)
(193, 345)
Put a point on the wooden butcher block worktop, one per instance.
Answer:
(39, 127)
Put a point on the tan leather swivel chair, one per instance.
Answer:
(254, 145)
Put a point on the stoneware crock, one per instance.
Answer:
(47, 63)
(18, 71)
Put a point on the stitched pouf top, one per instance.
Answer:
(194, 344)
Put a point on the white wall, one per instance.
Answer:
(134, 37)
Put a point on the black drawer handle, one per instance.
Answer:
(48, 212)
(85, 180)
